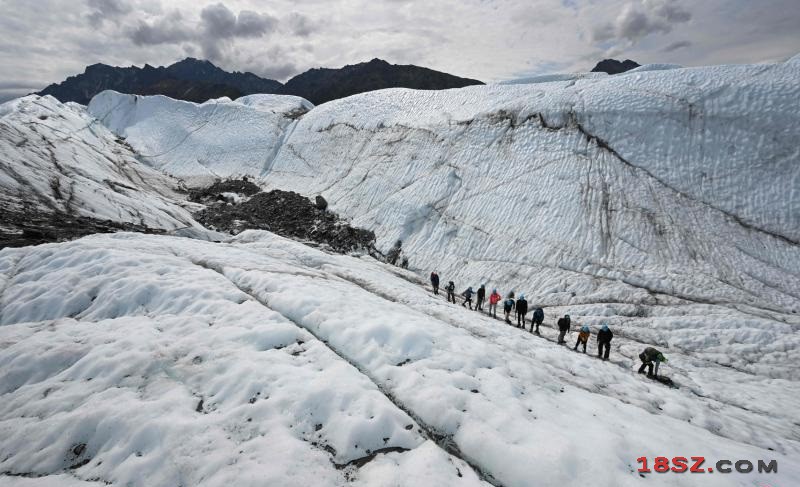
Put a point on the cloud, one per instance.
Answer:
(45, 41)
(299, 24)
(15, 89)
(677, 45)
(214, 31)
(275, 62)
(220, 22)
(668, 10)
(102, 10)
(638, 19)
(169, 29)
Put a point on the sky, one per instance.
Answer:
(44, 41)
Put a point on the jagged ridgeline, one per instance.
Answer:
(198, 81)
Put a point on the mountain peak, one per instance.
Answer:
(191, 61)
(326, 84)
(612, 66)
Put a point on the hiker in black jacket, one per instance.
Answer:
(649, 357)
(604, 337)
(563, 328)
(435, 282)
(522, 308)
(451, 292)
(481, 297)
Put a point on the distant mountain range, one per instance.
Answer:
(612, 66)
(197, 80)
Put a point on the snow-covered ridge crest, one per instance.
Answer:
(201, 142)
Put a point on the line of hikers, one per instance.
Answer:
(650, 357)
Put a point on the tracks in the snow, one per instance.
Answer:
(444, 441)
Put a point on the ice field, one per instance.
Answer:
(178, 362)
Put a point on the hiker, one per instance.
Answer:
(522, 309)
(435, 282)
(451, 292)
(508, 306)
(468, 297)
(583, 337)
(480, 299)
(648, 357)
(563, 328)
(538, 319)
(604, 337)
(494, 298)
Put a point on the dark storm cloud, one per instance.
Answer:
(218, 25)
(169, 29)
(218, 21)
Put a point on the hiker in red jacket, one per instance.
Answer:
(494, 298)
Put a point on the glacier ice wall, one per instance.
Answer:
(201, 142)
(650, 187)
(679, 183)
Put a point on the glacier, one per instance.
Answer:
(662, 202)
(176, 363)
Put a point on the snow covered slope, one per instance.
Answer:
(200, 143)
(56, 159)
(662, 200)
(672, 180)
(266, 362)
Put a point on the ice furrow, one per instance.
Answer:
(444, 442)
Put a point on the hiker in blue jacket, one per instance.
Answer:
(538, 319)
(508, 306)
(468, 297)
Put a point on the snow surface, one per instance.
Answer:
(201, 142)
(548, 78)
(653, 67)
(266, 362)
(57, 158)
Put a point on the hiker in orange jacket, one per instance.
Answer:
(583, 338)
